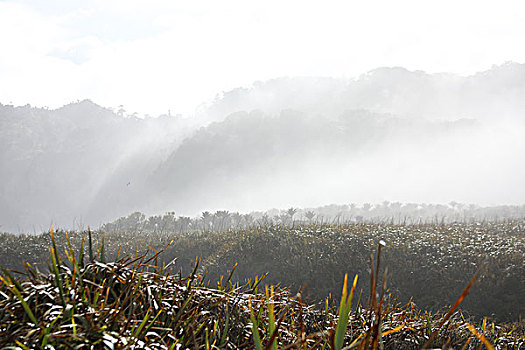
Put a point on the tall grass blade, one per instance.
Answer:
(58, 279)
(344, 312)
(102, 249)
(81, 253)
(272, 345)
(57, 257)
(255, 328)
(12, 280)
(90, 242)
(142, 324)
(20, 298)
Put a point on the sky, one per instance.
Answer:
(157, 56)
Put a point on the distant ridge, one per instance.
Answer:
(390, 134)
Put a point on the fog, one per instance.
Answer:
(389, 134)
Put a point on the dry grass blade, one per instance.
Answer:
(394, 330)
(480, 336)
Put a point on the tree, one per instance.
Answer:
(310, 215)
(206, 218)
(291, 212)
(248, 219)
(184, 222)
(223, 217)
(237, 219)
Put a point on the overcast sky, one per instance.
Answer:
(158, 55)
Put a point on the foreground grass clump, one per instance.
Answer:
(86, 302)
(428, 263)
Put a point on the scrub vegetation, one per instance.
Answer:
(268, 286)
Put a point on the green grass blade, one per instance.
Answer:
(271, 319)
(90, 241)
(255, 329)
(12, 280)
(19, 296)
(142, 324)
(344, 313)
(153, 321)
(225, 331)
(22, 345)
(81, 253)
(102, 249)
(58, 280)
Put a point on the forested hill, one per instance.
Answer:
(54, 162)
(391, 134)
(251, 160)
(495, 94)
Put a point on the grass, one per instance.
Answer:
(428, 264)
(145, 299)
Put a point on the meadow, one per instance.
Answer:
(210, 289)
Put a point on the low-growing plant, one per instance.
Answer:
(141, 301)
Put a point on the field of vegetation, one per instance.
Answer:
(142, 288)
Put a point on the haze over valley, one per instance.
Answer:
(389, 134)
